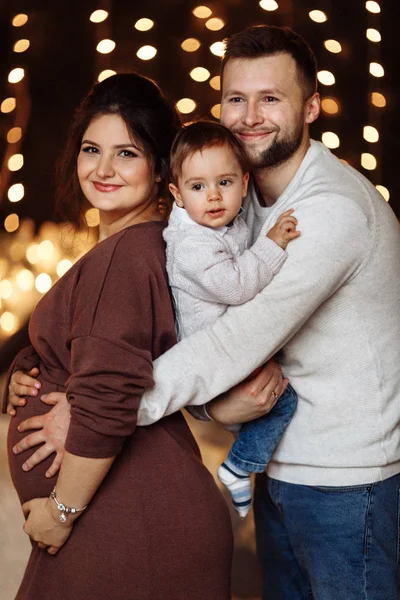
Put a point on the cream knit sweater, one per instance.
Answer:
(334, 310)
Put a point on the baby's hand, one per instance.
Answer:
(284, 229)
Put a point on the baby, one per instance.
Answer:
(211, 265)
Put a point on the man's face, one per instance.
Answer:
(263, 105)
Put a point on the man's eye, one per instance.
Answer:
(235, 100)
(270, 99)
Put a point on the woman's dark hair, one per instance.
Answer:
(150, 118)
(267, 40)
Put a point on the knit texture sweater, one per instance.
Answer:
(209, 269)
(334, 311)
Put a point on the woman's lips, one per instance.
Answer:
(106, 187)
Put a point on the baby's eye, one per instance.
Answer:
(197, 187)
(225, 182)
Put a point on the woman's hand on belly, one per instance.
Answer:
(44, 526)
(52, 432)
(22, 384)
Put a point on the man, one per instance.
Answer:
(327, 509)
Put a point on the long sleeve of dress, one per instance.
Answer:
(110, 347)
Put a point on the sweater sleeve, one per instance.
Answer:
(206, 268)
(111, 363)
(328, 254)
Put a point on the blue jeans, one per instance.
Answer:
(256, 440)
(328, 543)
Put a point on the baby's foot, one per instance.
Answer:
(239, 485)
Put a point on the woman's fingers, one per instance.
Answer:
(37, 422)
(29, 441)
(55, 466)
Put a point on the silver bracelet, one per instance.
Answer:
(65, 510)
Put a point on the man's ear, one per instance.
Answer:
(245, 183)
(312, 108)
(176, 194)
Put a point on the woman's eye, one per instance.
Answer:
(90, 149)
(127, 154)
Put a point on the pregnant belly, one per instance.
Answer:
(31, 484)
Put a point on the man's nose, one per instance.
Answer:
(252, 114)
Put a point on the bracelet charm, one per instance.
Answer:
(64, 510)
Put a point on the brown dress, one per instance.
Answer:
(157, 528)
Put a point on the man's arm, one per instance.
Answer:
(330, 251)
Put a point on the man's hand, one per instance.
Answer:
(43, 525)
(251, 399)
(52, 433)
(22, 384)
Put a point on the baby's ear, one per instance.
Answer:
(245, 183)
(176, 194)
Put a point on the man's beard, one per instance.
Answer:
(278, 152)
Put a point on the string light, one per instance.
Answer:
(105, 74)
(218, 49)
(105, 46)
(330, 139)
(330, 106)
(16, 192)
(144, 24)
(186, 105)
(11, 223)
(98, 16)
(216, 111)
(200, 74)
(202, 12)
(19, 20)
(14, 135)
(215, 24)
(376, 69)
(318, 16)
(368, 161)
(8, 322)
(6, 289)
(63, 266)
(21, 46)
(146, 52)
(371, 134)
(43, 283)
(373, 35)
(269, 5)
(326, 77)
(333, 46)
(373, 7)
(16, 162)
(16, 75)
(190, 45)
(8, 105)
(384, 191)
(378, 99)
(32, 254)
(25, 280)
(215, 82)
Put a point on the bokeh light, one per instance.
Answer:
(330, 106)
(333, 46)
(371, 134)
(25, 280)
(200, 74)
(384, 191)
(218, 49)
(318, 16)
(376, 69)
(8, 105)
(373, 7)
(98, 16)
(43, 283)
(14, 135)
(215, 82)
(11, 223)
(21, 46)
(92, 217)
(19, 20)
(378, 99)
(105, 46)
(144, 24)
(368, 161)
(373, 35)
(216, 111)
(63, 266)
(105, 74)
(186, 105)
(215, 24)
(269, 5)
(330, 139)
(202, 12)
(16, 75)
(190, 45)
(16, 162)
(146, 52)
(8, 322)
(16, 192)
(326, 77)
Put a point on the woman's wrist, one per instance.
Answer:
(63, 513)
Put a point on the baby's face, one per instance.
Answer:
(211, 186)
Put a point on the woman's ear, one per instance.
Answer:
(245, 183)
(176, 194)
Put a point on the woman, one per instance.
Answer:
(149, 522)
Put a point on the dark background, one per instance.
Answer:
(62, 63)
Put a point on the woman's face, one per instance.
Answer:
(115, 175)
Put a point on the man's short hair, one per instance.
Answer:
(267, 40)
(198, 136)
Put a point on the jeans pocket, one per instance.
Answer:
(327, 489)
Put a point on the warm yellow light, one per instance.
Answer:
(16, 75)
(268, 5)
(14, 135)
(218, 48)
(63, 266)
(378, 99)
(215, 82)
(21, 46)
(200, 74)
(7, 322)
(373, 6)
(371, 134)
(330, 139)
(105, 46)
(105, 74)
(32, 254)
(368, 161)
(144, 24)
(46, 250)
(8, 105)
(16, 192)
(216, 111)
(330, 106)
(326, 77)
(186, 105)
(146, 52)
(384, 191)
(43, 283)
(98, 16)
(373, 35)
(215, 24)
(318, 16)
(25, 280)
(376, 69)
(333, 46)
(6, 289)
(202, 12)
(190, 45)
(92, 217)
(11, 223)
(16, 162)
(20, 20)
